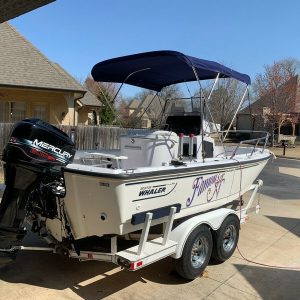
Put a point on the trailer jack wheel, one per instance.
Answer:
(196, 253)
(226, 239)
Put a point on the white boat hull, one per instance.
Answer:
(101, 203)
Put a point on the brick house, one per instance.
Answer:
(286, 113)
(33, 86)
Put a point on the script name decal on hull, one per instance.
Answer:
(212, 184)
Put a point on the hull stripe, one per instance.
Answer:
(135, 178)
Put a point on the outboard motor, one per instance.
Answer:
(33, 158)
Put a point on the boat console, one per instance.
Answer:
(158, 148)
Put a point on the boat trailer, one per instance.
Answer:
(171, 243)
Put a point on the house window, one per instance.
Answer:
(266, 111)
(12, 111)
(144, 123)
(17, 111)
(40, 111)
(4, 112)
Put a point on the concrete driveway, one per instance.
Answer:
(270, 238)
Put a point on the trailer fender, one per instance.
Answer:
(213, 219)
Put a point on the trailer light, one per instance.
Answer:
(90, 256)
(139, 263)
(134, 265)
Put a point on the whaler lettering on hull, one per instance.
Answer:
(152, 191)
(147, 192)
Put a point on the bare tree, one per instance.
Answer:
(123, 109)
(224, 101)
(105, 92)
(152, 105)
(124, 115)
(275, 92)
(165, 98)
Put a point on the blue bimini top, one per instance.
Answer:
(158, 69)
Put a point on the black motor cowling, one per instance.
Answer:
(38, 145)
(35, 153)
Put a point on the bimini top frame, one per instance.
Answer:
(158, 69)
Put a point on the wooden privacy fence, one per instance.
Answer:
(98, 137)
(5, 130)
(86, 137)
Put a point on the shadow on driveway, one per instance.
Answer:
(89, 280)
(271, 283)
(290, 224)
(281, 186)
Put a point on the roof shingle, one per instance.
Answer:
(23, 65)
(10, 9)
(90, 99)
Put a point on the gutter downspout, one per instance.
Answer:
(74, 114)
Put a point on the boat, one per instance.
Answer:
(104, 194)
(151, 173)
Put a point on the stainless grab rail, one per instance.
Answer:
(256, 140)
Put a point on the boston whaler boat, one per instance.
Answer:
(172, 178)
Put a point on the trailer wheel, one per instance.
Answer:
(226, 239)
(196, 253)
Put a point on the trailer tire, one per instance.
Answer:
(226, 239)
(196, 253)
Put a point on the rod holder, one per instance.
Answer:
(180, 149)
(191, 145)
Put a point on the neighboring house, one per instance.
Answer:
(88, 110)
(132, 106)
(150, 110)
(286, 112)
(245, 120)
(33, 86)
(136, 112)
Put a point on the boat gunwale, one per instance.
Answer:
(157, 173)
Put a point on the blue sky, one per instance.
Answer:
(245, 35)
